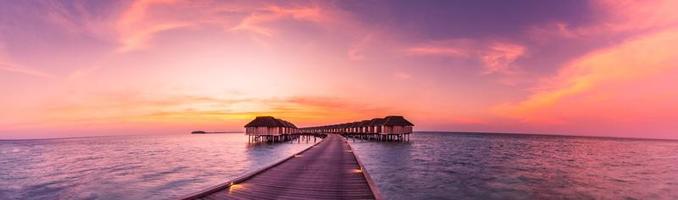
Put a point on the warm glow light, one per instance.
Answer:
(233, 187)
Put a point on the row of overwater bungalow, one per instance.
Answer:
(388, 128)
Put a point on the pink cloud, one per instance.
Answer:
(82, 72)
(257, 20)
(357, 50)
(143, 19)
(497, 57)
(615, 17)
(402, 75)
(7, 67)
(598, 87)
(638, 15)
(137, 25)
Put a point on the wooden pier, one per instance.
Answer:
(326, 170)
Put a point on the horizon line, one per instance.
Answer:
(416, 131)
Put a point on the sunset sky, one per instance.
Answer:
(81, 68)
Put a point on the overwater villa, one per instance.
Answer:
(389, 128)
(397, 125)
(268, 128)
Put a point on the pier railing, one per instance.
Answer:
(326, 170)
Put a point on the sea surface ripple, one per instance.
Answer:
(129, 167)
(503, 166)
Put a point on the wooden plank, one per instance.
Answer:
(241, 178)
(329, 170)
(370, 182)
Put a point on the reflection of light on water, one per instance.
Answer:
(233, 187)
(134, 160)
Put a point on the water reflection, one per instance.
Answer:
(460, 166)
(263, 152)
(129, 167)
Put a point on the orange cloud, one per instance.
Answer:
(314, 109)
(110, 110)
(598, 80)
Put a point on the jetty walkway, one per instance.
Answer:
(327, 170)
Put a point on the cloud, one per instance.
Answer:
(582, 88)
(614, 18)
(499, 56)
(257, 20)
(356, 51)
(131, 107)
(438, 51)
(111, 108)
(496, 57)
(24, 70)
(637, 15)
(82, 72)
(139, 39)
(136, 25)
(143, 19)
(402, 75)
(339, 107)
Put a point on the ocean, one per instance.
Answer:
(130, 167)
(430, 166)
(510, 166)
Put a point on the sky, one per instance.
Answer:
(86, 68)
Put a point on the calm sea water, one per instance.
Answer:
(482, 166)
(129, 167)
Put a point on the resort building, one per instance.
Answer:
(389, 128)
(267, 125)
(397, 125)
(376, 125)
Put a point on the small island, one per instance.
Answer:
(214, 132)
